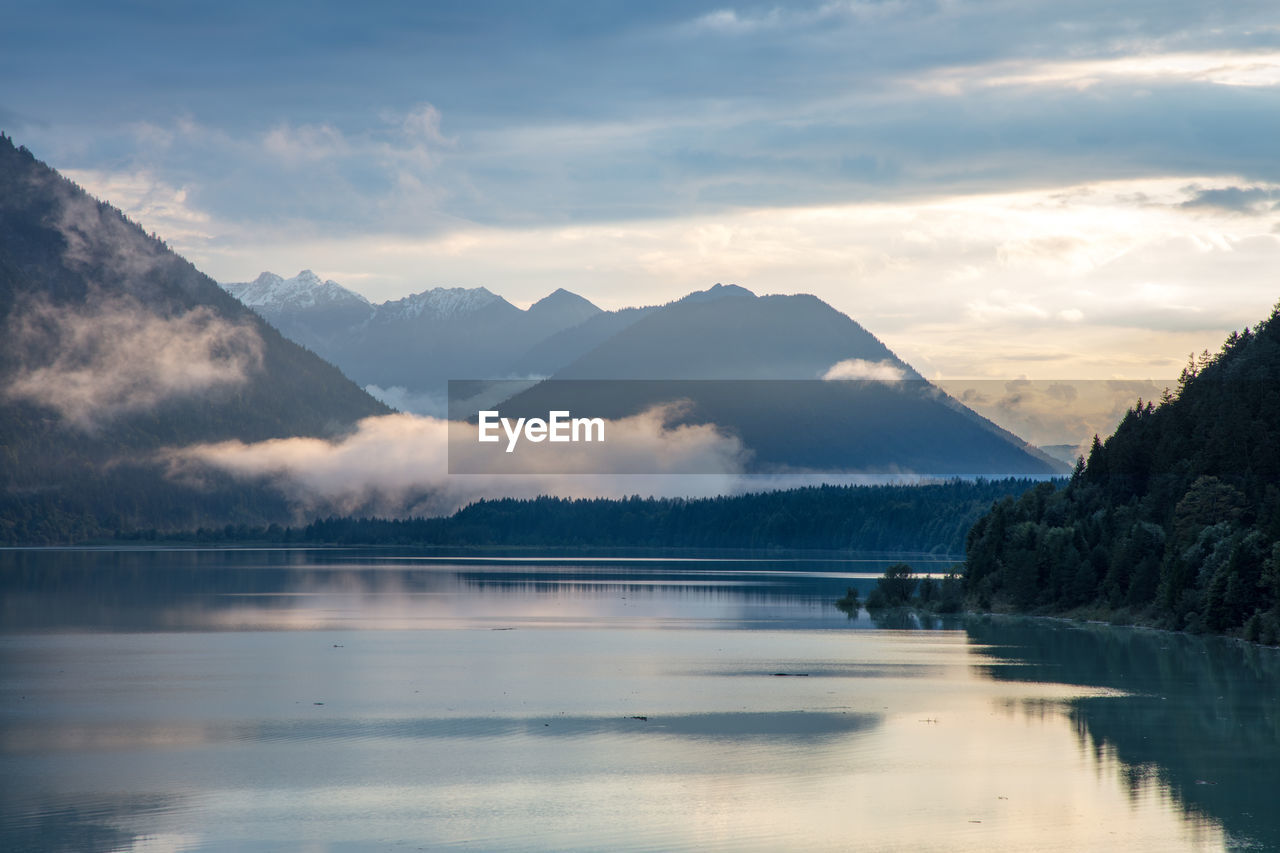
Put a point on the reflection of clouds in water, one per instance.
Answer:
(38, 821)
(369, 588)
(111, 736)
(477, 601)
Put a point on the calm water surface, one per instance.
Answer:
(343, 700)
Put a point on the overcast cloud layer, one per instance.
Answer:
(1079, 189)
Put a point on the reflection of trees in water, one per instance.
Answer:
(157, 590)
(187, 589)
(1201, 719)
(912, 619)
(57, 823)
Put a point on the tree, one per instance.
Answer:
(895, 588)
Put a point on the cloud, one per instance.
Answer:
(1221, 68)
(861, 129)
(729, 22)
(147, 198)
(1061, 391)
(398, 465)
(207, 188)
(305, 144)
(129, 345)
(421, 125)
(412, 402)
(827, 15)
(857, 368)
(1252, 201)
(102, 244)
(113, 356)
(1052, 412)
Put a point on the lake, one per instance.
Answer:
(360, 699)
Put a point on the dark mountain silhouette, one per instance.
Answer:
(727, 332)
(115, 347)
(754, 366)
(561, 306)
(564, 347)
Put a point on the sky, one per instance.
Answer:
(1002, 188)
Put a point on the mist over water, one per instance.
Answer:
(353, 699)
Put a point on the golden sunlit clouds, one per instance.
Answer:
(1105, 280)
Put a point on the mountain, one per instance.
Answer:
(556, 351)
(727, 332)
(115, 348)
(1064, 453)
(442, 304)
(304, 308)
(759, 367)
(271, 294)
(562, 309)
(416, 343)
(1174, 520)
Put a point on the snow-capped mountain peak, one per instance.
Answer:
(267, 280)
(272, 293)
(442, 303)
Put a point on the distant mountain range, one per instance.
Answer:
(753, 365)
(421, 341)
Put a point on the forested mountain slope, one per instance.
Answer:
(114, 347)
(1174, 519)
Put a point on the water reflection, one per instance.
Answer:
(908, 619)
(78, 823)
(774, 726)
(240, 701)
(1198, 718)
(316, 589)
